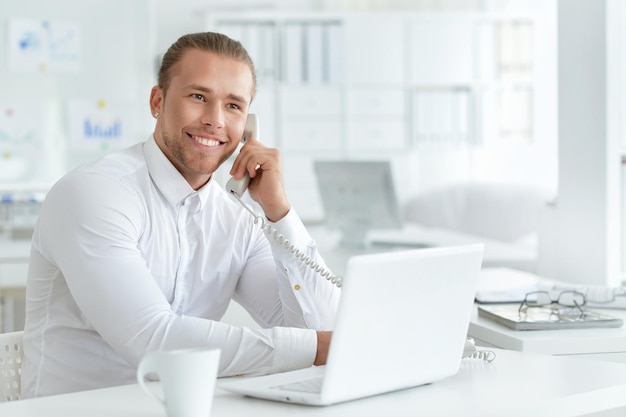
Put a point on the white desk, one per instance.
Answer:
(602, 344)
(497, 254)
(515, 384)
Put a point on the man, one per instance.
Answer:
(142, 250)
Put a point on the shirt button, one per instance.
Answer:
(296, 287)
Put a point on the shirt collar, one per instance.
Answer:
(168, 180)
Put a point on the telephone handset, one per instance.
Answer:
(237, 187)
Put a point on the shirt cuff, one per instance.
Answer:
(294, 348)
(292, 229)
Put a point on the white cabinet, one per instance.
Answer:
(312, 120)
(377, 137)
(376, 101)
(316, 138)
(376, 119)
(311, 102)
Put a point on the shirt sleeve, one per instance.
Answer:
(307, 299)
(89, 228)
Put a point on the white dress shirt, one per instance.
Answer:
(127, 258)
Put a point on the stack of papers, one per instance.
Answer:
(505, 285)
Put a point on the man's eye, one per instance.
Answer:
(198, 96)
(233, 106)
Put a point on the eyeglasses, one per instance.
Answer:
(543, 298)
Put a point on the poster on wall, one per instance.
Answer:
(100, 125)
(43, 46)
(21, 136)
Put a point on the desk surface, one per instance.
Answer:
(515, 384)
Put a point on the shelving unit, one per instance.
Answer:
(383, 85)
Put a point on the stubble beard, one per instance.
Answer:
(181, 160)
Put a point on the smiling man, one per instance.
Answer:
(142, 250)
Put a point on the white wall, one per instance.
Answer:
(583, 237)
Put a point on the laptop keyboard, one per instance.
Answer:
(308, 385)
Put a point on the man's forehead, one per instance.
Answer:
(196, 66)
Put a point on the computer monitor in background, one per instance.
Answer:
(358, 196)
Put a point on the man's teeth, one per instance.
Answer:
(206, 142)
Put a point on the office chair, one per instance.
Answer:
(503, 212)
(11, 354)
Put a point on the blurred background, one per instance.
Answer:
(499, 119)
(450, 91)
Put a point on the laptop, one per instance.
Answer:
(402, 322)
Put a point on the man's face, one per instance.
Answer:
(202, 116)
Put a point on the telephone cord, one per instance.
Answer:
(485, 355)
(284, 242)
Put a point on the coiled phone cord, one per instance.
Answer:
(284, 242)
(472, 352)
(485, 355)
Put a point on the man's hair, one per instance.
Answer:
(206, 41)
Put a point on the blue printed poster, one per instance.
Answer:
(100, 125)
(43, 45)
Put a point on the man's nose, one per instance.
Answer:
(213, 116)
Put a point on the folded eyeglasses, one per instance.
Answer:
(543, 298)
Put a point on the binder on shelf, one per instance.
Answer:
(251, 40)
(463, 109)
(268, 50)
(487, 68)
(545, 318)
(293, 57)
(333, 39)
(314, 54)
(442, 116)
(259, 39)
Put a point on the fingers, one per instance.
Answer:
(253, 156)
(266, 185)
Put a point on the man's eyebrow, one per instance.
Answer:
(240, 99)
(233, 97)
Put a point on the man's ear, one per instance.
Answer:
(156, 100)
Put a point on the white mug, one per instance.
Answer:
(187, 377)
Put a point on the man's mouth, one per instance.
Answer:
(206, 141)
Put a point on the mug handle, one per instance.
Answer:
(146, 366)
